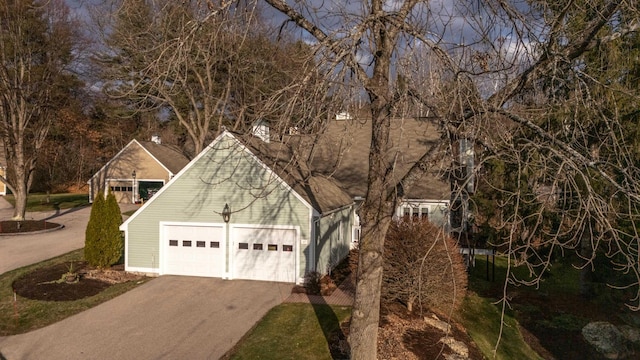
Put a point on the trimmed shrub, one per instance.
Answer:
(92, 233)
(103, 242)
(312, 282)
(423, 267)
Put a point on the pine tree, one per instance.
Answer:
(103, 243)
(112, 243)
(93, 232)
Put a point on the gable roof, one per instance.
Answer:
(318, 192)
(169, 157)
(322, 192)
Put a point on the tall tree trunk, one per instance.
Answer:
(21, 181)
(375, 214)
(365, 315)
(20, 196)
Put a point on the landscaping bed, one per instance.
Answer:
(42, 298)
(50, 283)
(10, 227)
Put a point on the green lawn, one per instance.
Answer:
(482, 319)
(44, 202)
(551, 312)
(25, 315)
(292, 331)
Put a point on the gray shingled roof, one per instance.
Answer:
(339, 160)
(322, 192)
(342, 153)
(170, 157)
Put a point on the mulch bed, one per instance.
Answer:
(26, 226)
(45, 284)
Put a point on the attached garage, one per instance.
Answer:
(193, 249)
(264, 253)
(234, 212)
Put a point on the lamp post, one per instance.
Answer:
(226, 213)
(226, 216)
(133, 188)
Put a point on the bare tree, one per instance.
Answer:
(489, 73)
(37, 40)
(207, 69)
(485, 81)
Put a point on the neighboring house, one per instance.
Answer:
(281, 223)
(139, 170)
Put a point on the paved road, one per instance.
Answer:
(21, 250)
(170, 317)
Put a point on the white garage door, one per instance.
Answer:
(264, 254)
(194, 250)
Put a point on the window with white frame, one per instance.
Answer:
(414, 211)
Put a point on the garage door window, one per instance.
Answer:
(257, 246)
(201, 244)
(272, 247)
(186, 243)
(243, 246)
(215, 244)
(173, 242)
(287, 248)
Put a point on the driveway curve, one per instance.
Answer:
(22, 250)
(170, 317)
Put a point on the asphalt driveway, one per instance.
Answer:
(170, 317)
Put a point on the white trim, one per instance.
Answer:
(150, 270)
(344, 207)
(155, 158)
(105, 166)
(232, 244)
(147, 271)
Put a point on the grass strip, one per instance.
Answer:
(292, 331)
(52, 202)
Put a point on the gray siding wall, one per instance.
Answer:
(224, 174)
(334, 239)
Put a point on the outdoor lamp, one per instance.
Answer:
(133, 174)
(226, 213)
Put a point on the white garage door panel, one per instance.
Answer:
(264, 254)
(194, 250)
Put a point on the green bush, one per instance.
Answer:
(103, 241)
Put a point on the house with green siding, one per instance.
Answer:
(277, 207)
(242, 209)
